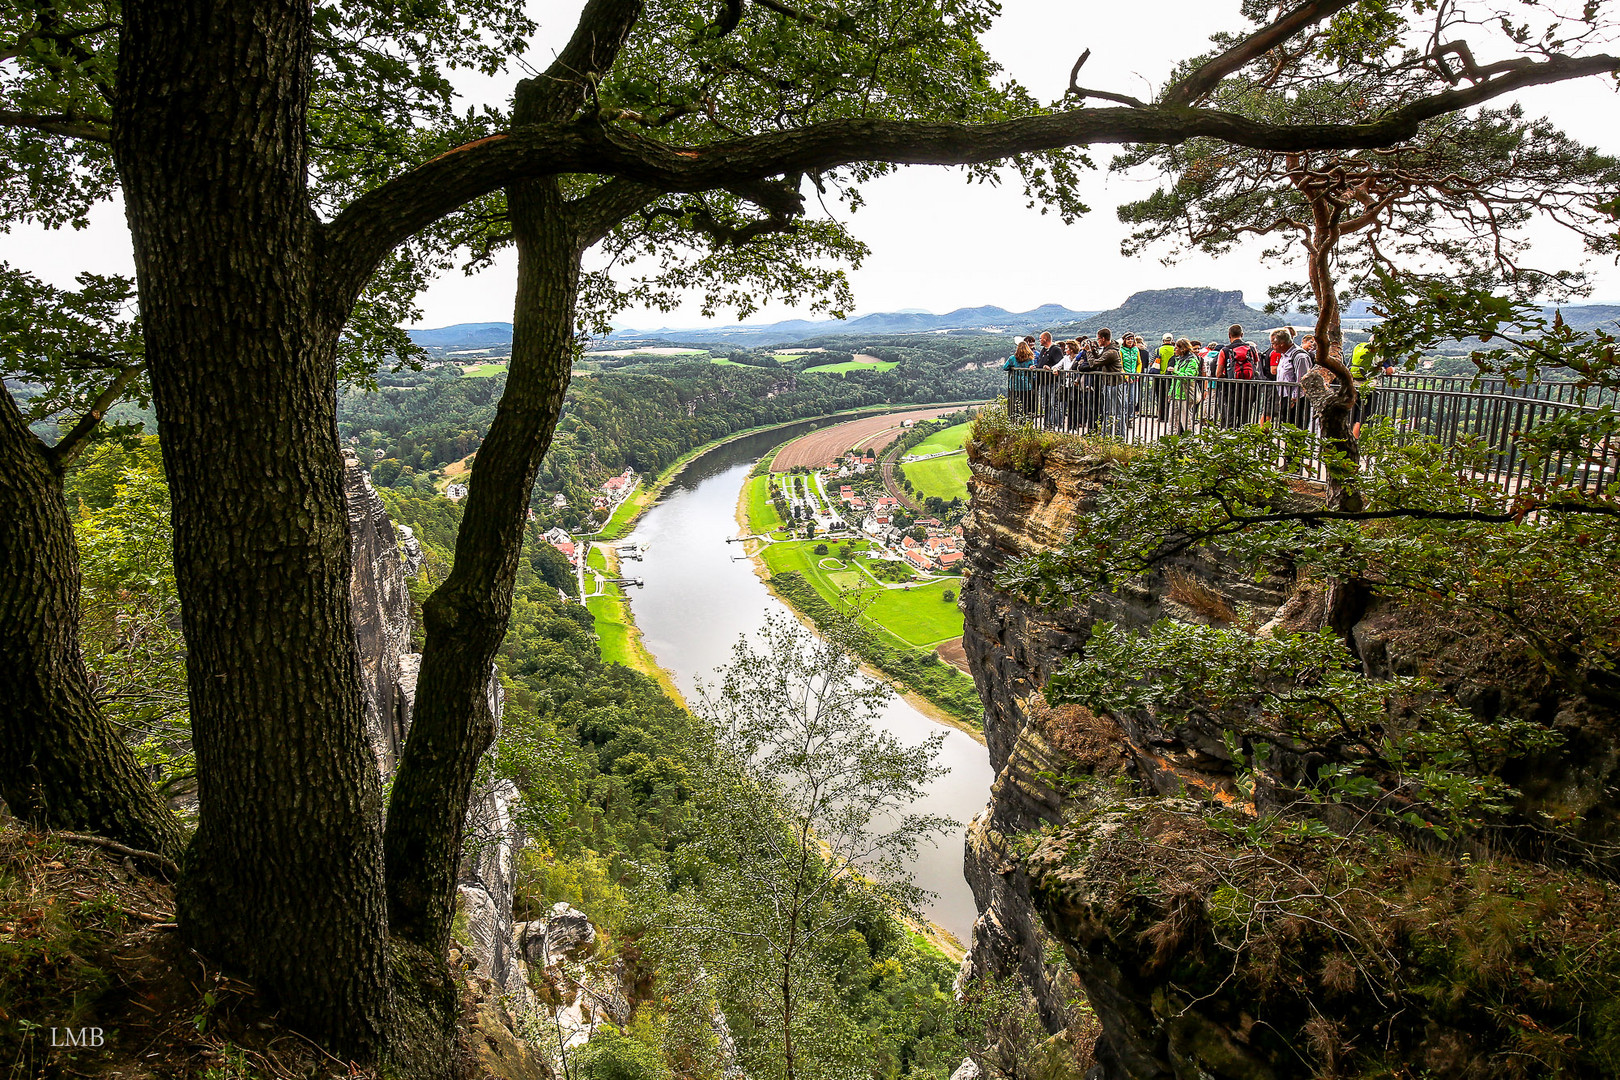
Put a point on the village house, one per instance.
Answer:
(620, 486)
(564, 543)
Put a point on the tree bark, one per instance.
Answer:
(284, 880)
(467, 616)
(1333, 410)
(62, 764)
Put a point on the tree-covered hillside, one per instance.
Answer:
(642, 417)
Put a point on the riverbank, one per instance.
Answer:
(646, 497)
(804, 601)
(618, 637)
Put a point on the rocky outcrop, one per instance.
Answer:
(1013, 648)
(386, 557)
(384, 560)
(1095, 859)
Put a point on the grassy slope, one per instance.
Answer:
(952, 438)
(853, 365)
(762, 515)
(484, 371)
(619, 523)
(946, 477)
(917, 618)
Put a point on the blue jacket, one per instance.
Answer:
(1020, 382)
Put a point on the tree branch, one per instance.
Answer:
(1076, 90)
(88, 128)
(372, 225)
(69, 445)
(1197, 84)
(598, 212)
(604, 27)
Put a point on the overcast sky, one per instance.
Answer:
(938, 243)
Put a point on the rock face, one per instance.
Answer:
(1124, 800)
(384, 561)
(385, 558)
(1012, 648)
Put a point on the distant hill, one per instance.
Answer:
(467, 335)
(890, 322)
(1193, 312)
(1202, 313)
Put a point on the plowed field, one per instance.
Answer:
(820, 449)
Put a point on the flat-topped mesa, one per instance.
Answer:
(1117, 901)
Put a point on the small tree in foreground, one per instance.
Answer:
(812, 831)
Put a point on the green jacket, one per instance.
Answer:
(1360, 357)
(1186, 372)
(1131, 357)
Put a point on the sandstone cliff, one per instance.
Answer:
(385, 558)
(1100, 880)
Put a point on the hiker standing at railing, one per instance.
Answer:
(1110, 382)
(1063, 394)
(1239, 367)
(1021, 381)
(1366, 368)
(1132, 354)
(1185, 391)
(1162, 363)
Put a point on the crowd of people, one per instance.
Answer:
(1100, 384)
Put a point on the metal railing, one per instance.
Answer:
(1495, 416)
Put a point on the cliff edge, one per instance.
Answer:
(1107, 885)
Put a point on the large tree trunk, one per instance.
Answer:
(284, 879)
(466, 617)
(1333, 402)
(1333, 410)
(62, 765)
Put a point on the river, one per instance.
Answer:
(701, 595)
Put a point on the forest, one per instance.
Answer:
(641, 417)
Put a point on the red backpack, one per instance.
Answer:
(1240, 359)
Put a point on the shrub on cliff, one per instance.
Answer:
(1010, 442)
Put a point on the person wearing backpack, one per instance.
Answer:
(1238, 366)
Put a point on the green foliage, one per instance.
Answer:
(1431, 532)
(1009, 443)
(611, 1055)
(923, 672)
(130, 609)
(788, 891)
(638, 418)
(61, 348)
(553, 568)
(1397, 750)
